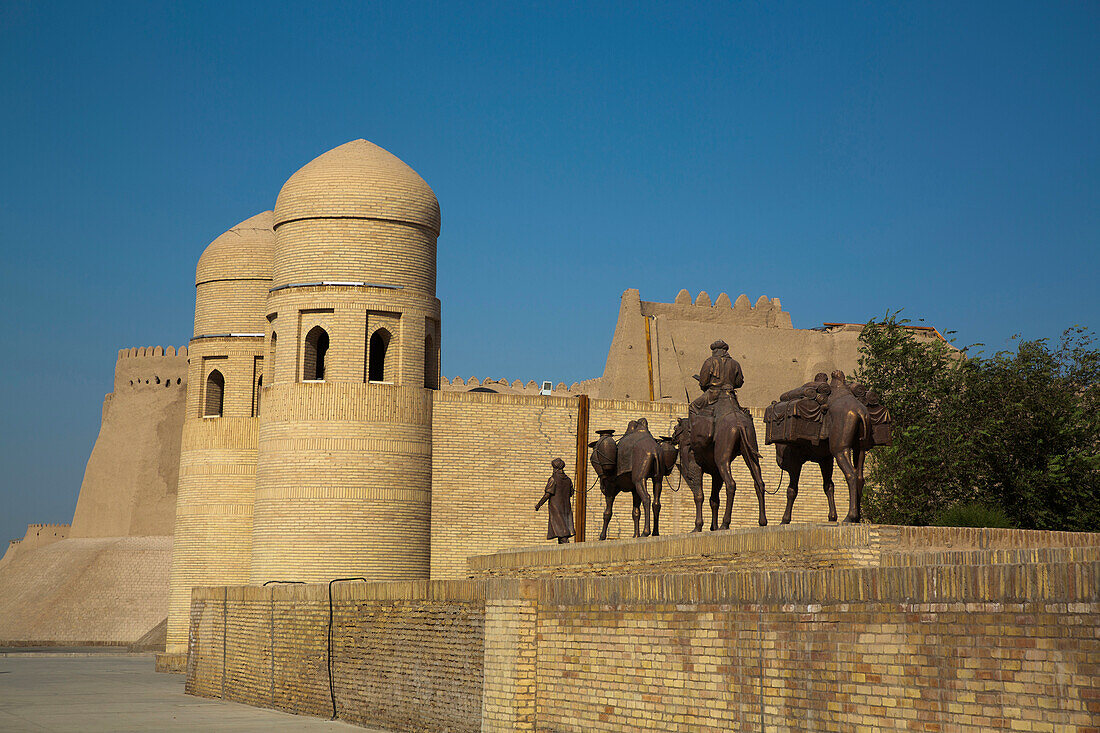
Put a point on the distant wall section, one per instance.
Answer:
(129, 486)
(774, 356)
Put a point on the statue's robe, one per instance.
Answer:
(560, 516)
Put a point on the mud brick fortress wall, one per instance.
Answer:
(889, 629)
(103, 579)
(129, 486)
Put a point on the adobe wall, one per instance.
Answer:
(773, 355)
(491, 458)
(407, 656)
(85, 591)
(37, 535)
(129, 486)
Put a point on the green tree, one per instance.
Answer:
(1017, 432)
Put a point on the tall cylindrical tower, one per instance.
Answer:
(217, 478)
(353, 332)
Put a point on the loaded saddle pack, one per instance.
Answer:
(799, 415)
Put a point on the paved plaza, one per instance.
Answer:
(102, 692)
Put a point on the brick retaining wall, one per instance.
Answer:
(959, 636)
(406, 656)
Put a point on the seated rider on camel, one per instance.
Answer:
(719, 376)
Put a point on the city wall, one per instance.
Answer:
(37, 535)
(662, 345)
(129, 486)
(491, 458)
(85, 591)
(863, 643)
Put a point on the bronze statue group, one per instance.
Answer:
(823, 421)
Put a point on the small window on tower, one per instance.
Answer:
(215, 391)
(376, 358)
(313, 368)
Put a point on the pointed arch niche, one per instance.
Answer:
(314, 355)
(214, 398)
(380, 363)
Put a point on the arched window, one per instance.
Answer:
(376, 358)
(274, 343)
(431, 380)
(215, 392)
(313, 369)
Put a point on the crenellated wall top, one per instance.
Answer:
(153, 366)
(137, 352)
(517, 386)
(766, 312)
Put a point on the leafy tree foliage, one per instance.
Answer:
(1017, 432)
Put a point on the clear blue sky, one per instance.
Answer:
(848, 158)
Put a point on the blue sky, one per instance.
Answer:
(848, 158)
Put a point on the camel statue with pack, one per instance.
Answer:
(717, 430)
(825, 421)
(626, 466)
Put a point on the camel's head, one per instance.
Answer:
(679, 431)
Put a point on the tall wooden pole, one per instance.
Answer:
(649, 357)
(580, 507)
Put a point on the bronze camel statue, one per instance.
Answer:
(643, 458)
(734, 434)
(848, 425)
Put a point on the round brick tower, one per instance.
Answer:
(217, 475)
(343, 483)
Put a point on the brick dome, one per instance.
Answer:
(358, 180)
(233, 277)
(245, 252)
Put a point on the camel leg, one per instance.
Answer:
(752, 460)
(792, 490)
(697, 494)
(715, 501)
(844, 460)
(827, 484)
(647, 505)
(731, 489)
(636, 512)
(658, 485)
(856, 508)
(609, 498)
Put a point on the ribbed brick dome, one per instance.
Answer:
(233, 277)
(245, 252)
(358, 180)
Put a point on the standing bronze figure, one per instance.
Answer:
(822, 422)
(716, 430)
(626, 466)
(559, 491)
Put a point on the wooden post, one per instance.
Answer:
(649, 357)
(580, 507)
